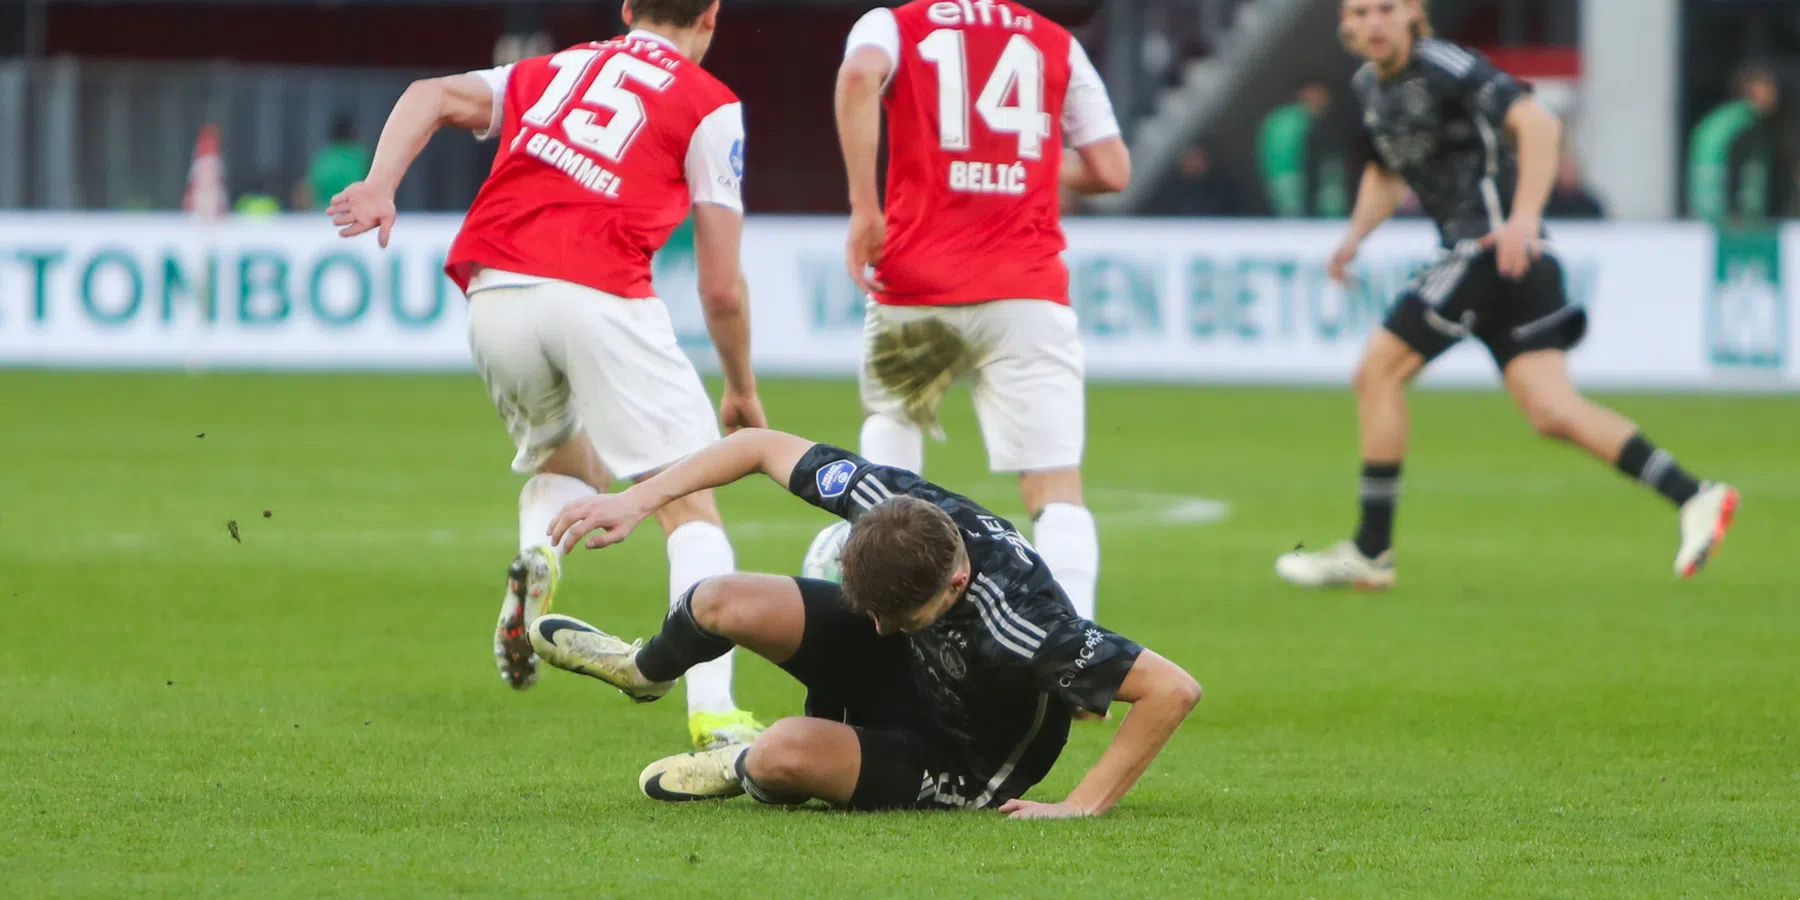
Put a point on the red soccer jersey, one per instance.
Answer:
(975, 118)
(604, 147)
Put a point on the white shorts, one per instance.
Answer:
(559, 359)
(1023, 361)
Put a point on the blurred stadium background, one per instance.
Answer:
(247, 613)
(1234, 109)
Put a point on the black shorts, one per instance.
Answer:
(856, 676)
(1464, 295)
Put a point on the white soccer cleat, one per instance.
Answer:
(1338, 566)
(1704, 520)
(573, 645)
(530, 592)
(707, 775)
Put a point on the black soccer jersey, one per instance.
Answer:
(1440, 124)
(1003, 669)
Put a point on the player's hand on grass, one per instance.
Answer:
(1516, 245)
(741, 410)
(1338, 267)
(362, 208)
(603, 520)
(868, 232)
(1029, 809)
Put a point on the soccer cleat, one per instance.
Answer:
(1337, 566)
(707, 775)
(712, 731)
(530, 591)
(569, 643)
(1704, 520)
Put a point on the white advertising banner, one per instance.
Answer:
(1671, 306)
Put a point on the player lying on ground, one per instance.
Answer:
(1436, 115)
(604, 149)
(940, 675)
(964, 267)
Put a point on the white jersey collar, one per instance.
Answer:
(644, 34)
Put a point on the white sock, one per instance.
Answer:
(891, 442)
(542, 498)
(1067, 540)
(701, 550)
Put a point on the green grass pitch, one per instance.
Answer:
(1540, 710)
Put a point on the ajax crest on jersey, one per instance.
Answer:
(824, 559)
(834, 479)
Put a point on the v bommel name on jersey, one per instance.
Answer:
(573, 163)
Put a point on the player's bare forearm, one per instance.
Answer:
(1103, 167)
(858, 103)
(1377, 199)
(1538, 134)
(1161, 696)
(724, 294)
(747, 452)
(463, 101)
(728, 324)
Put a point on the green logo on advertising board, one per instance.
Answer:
(112, 287)
(1746, 316)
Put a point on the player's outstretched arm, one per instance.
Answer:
(464, 101)
(1377, 199)
(1161, 695)
(607, 519)
(725, 299)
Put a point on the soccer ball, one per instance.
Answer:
(824, 559)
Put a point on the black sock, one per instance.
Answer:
(1379, 492)
(1657, 468)
(681, 645)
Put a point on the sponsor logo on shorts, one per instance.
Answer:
(834, 479)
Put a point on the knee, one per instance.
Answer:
(1373, 376)
(714, 609)
(781, 756)
(1040, 489)
(1553, 420)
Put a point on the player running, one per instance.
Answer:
(1481, 154)
(604, 148)
(940, 675)
(965, 267)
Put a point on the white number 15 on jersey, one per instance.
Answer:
(1021, 69)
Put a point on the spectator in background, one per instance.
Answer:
(1199, 189)
(1733, 154)
(337, 165)
(1303, 166)
(1571, 199)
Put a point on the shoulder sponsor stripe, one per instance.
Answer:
(1000, 598)
(881, 489)
(985, 600)
(987, 618)
(1451, 59)
(865, 495)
